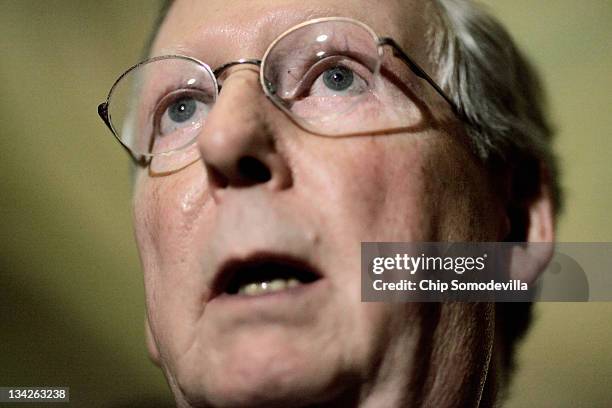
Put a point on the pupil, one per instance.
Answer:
(338, 78)
(182, 110)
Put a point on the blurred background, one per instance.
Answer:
(71, 295)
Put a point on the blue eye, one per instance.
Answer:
(182, 110)
(338, 78)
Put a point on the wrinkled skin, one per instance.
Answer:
(324, 196)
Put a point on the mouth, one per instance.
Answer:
(264, 274)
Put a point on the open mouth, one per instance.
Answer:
(263, 275)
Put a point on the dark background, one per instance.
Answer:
(71, 296)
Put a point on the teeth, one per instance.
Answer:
(276, 285)
(250, 289)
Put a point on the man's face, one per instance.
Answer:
(300, 212)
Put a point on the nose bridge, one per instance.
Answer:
(240, 97)
(237, 143)
(220, 70)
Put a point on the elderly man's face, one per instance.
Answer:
(213, 226)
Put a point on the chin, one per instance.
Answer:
(262, 373)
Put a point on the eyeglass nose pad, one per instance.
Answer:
(220, 70)
(270, 87)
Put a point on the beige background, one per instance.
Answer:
(71, 297)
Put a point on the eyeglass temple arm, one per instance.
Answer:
(414, 67)
(103, 113)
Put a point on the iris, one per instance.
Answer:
(338, 78)
(182, 110)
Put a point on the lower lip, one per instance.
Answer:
(281, 304)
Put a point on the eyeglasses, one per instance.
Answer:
(326, 74)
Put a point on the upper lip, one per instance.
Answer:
(232, 267)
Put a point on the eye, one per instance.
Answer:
(180, 110)
(338, 78)
(332, 76)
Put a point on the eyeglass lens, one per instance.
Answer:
(325, 75)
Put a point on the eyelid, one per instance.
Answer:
(167, 99)
(318, 67)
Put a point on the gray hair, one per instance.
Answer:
(499, 92)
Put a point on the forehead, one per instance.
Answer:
(218, 31)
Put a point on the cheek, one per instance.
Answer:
(373, 187)
(168, 213)
(167, 210)
(408, 187)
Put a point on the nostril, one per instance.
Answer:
(253, 169)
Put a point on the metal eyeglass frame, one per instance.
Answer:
(398, 52)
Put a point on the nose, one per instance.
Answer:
(238, 142)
